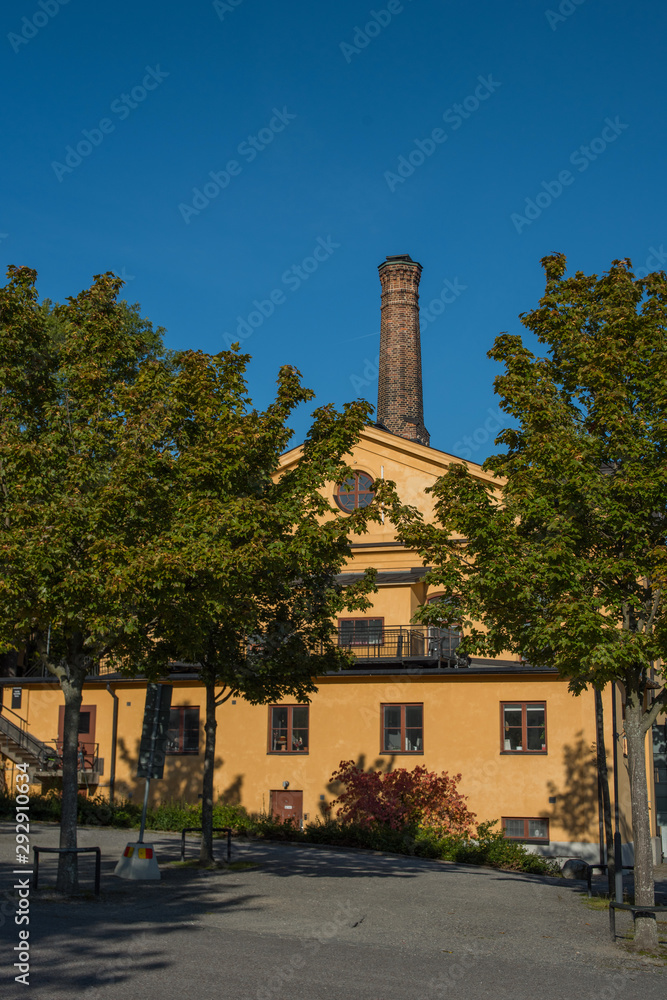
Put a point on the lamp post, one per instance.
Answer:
(618, 854)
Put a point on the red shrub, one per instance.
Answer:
(402, 798)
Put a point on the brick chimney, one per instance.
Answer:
(400, 399)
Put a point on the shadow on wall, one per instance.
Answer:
(576, 809)
(232, 796)
(182, 780)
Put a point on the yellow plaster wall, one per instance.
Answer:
(461, 712)
(461, 734)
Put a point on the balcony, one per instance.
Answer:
(368, 640)
(89, 762)
(408, 645)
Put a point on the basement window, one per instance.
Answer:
(354, 492)
(531, 830)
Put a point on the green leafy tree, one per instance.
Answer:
(142, 520)
(562, 558)
(253, 552)
(82, 439)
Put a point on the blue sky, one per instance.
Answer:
(205, 151)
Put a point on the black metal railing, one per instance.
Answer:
(425, 643)
(18, 732)
(41, 670)
(51, 756)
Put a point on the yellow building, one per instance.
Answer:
(523, 745)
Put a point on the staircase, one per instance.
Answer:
(18, 744)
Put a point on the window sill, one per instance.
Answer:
(528, 840)
(402, 753)
(287, 753)
(524, 753)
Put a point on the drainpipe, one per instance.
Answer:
(114, 737)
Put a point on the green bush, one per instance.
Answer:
(272, 828)
(487, 846)
(179, 815)
(42, 807)
(96, 811)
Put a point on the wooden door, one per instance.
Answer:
(286, 804)
(87, 720)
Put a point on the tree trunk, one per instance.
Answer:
(67, 879)
(646, 928)
(206, 852)
(601, 751)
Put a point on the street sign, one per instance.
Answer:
(154, 731)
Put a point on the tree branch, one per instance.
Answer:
(654, 609)
(4, 490)
(659, 705)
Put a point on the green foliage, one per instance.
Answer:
(253, 551)
(565, 558)
(481, 847)
(143, 517)
(81, 449)
(179, 815)
(83, 505)
(372, 836)
(565, 562)
(94, 811)
(98, 811)
(272, 828)
(484, 847)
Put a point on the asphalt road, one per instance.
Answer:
(315, 924)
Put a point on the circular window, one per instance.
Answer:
(354, 492)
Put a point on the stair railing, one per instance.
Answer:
(19, 733)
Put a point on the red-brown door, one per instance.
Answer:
(287, 805)
(87, 719)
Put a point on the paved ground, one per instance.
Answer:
(313, 923)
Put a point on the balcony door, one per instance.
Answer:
(87, 723)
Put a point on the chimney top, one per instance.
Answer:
(397, 258)
(400, 399)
